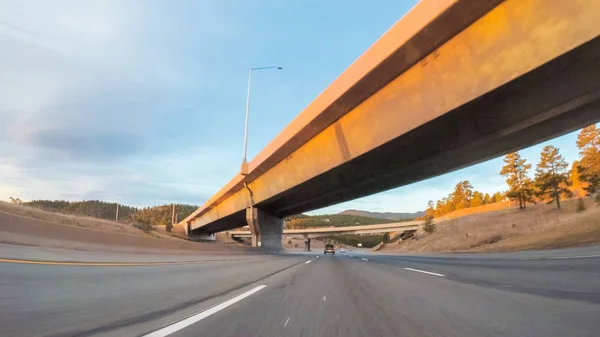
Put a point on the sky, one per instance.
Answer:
(142, 102)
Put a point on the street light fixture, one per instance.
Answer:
(244, 169)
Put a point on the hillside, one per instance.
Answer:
(92, 208)
(82, 221)
(385, 215)
(161, 215)
(153, 216)
(540, 226)
(29, 226)
(332, 220)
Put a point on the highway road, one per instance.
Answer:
(554, 293)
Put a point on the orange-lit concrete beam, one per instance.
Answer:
(449, 85)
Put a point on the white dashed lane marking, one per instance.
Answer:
(425, 272)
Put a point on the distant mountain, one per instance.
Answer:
(386, 215)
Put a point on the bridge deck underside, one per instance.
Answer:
(483, 94)
(554, 99)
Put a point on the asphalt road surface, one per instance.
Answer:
(349, 294)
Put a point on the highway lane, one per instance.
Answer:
(568, 278)
(363, 295)
(344, 296)
(50, 300)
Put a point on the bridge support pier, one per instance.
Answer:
(266, 229)
(307, 244)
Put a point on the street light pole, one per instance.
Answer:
(173, 215)
(244, 161)
(244, 169)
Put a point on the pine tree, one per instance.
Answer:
(462, 195)
(487, 199)
(576, 185)
(428, 225)
(588, 142)
(552, 177)
(520, 186)
(439, 208)
(448, 205)
(430, 211)
(497, 197)
(478, 199)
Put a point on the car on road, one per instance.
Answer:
(329, 248)
(342, 250)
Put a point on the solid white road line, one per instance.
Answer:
(286, 322)
(201, 315)
(364, 259)
(307, 262)
(567, 257)
(324, 298)
(424, 272)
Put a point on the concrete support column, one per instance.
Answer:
(307, 244)
(266, 229)
(251, 219)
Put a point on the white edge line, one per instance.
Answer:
(201, 315)
(571, 257)
(286, 322)
(425, 272)
(307, 262)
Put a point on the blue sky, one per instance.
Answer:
(142, 102)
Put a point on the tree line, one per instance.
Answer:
(161, 215)
(302, 221)
(151, 216)
(463, 196)
(552, 180)
(92, 208)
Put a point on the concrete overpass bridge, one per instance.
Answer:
(451, 84)
(312, 233)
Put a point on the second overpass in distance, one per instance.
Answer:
(312, 233)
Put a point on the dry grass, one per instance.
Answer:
(78, 221)
(538, 227)
(497, 206)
